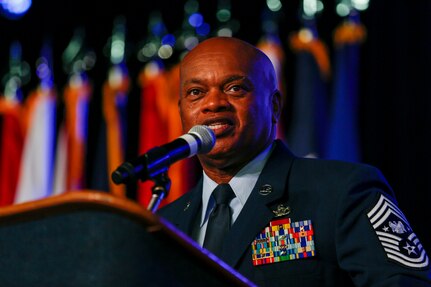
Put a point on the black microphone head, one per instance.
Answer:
(206, 135)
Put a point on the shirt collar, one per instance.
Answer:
(242, 183)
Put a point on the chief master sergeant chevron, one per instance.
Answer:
(293, 221)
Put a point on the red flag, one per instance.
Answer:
(11, 145)
(159, 124)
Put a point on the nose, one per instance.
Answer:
(215, 101)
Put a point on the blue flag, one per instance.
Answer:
(343, 135)
(306, 136)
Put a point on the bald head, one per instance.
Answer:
(246, 54)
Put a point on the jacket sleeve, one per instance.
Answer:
(374, 241)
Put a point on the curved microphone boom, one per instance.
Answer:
(199, 139)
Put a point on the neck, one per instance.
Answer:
(220, 175)
(222, 171)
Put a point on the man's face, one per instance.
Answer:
(227, 89)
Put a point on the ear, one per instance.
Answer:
(276, 105)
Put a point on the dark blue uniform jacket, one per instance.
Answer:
(359, 236)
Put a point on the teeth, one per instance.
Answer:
(216, 126)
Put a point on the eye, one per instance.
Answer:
(194, 93)
(237, 89)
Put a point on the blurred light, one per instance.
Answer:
(115, 76)
(43, 70)
(73, 48)
(203, 29)
(12, 89)
(15, 8)
(191, 42)
(274, 5)
(118, 41)
(225, 32)
(305, 35)
(15, 57)
(360, 5)
(158, 29)
(149, 50)
(196, 20)
(223, 15)
(342, 9)
(191, 6)
(152, 68)
(319, 6)
(71, 51)
(310, 7)
(165, 51)
(89, 60)
(168, 39)
(78, 66)
(117, 51)
(76, 80)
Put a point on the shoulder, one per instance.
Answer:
(338, 172)
(324, 169)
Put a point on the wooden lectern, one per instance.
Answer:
(90, 238)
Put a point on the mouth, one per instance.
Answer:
(220, 126)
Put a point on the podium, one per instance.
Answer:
(91, 238)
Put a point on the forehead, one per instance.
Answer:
(219, 63)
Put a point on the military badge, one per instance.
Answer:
(396, 236)
(281, 210)
(283, 240)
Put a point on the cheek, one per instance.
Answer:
(188, 115)
(258, 118)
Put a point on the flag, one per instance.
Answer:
(76, 96)
(11, 145)
(36, 167)
(159, 124)
(343, 138)
(114, 112)
(307, 132)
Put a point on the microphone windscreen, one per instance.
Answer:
(206, 135)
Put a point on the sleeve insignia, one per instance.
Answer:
(396, 236)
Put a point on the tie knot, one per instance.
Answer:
(223, 193)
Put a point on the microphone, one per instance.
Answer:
(199, 139)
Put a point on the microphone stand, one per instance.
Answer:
(160, 190)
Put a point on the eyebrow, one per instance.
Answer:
(192, 81)
(229, 79)
(236, 78)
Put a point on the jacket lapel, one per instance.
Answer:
(257, 212)
(185, 222)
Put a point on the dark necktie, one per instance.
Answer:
(220, 219)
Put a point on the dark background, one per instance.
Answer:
(395, 93)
